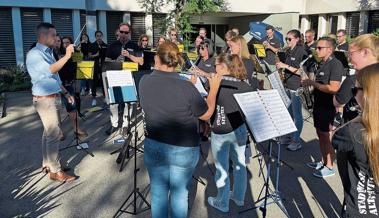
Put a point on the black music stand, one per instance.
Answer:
(124, 152)
(78, 143)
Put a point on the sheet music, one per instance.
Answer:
(199, 86)
(277, 84)
(120, 78)
(277, 111)
(265, 114)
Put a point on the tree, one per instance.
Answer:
(181, 11)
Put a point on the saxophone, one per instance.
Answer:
(306, 92)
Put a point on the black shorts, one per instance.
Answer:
(323, 118)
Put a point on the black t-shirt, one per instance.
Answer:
(171, 108)
(330, 70)
(343, 47)
(345, 96)
(361, 193)
(309, 48)
(84, 49)
(67, 72)
(207, 66)
(228, 116)
(270, 55)
(249, 66)
(114, 50)
(293, 58)
(101, 48)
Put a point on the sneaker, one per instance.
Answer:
(315, 165)
(294, 146)
(216, 204)
(93, 103)
(324, 172)
(285, 140)
(237, 202)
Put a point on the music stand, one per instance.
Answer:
(267, 118)
(84, 71)
(128, 144)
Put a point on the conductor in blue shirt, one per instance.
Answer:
(47, 88)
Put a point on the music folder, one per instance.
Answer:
(265, 114)
(277, 84)
(119, 87)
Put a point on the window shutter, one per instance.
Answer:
(138, 25)
(7, 50)
(113, 20)
(62, 20)
(30, 18)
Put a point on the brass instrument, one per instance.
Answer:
(306, 92)
(203, 75)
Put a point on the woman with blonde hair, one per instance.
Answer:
(238, 46)
(359, 139)
(143, 42)
(229, 134)
(363, 51)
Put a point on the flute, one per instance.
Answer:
(197, 72)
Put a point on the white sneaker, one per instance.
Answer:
(294, 146)
(93, 103)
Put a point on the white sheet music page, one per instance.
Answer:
(277, 111)
(277, 84)
(256, 116)
(120, 78)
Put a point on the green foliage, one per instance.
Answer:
(376, 32)
(180, 14)
(14, 78)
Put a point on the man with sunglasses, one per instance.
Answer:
(326, 84)
(341, 39)
(122, 50)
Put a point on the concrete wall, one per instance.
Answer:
(337, 6)
(259, 6)
(66, 4)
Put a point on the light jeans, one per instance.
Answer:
(115, 119)
(170, 170)
(295, 109)
(235, 143)
(48, 111)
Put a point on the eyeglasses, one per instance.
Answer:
(319, 47)
(289, 39)
(355, 90)
(352, 52)
(124, 32)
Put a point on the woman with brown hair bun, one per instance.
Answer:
(229, 134)
(359, 139)
(172, 108)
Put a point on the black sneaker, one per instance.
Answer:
(111, 130)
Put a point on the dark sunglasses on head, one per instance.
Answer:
(355, 90)
(124, 32)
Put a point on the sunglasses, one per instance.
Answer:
(355, 90)
(319, 47)
(124, 32)
(144, 40)
(289, 39)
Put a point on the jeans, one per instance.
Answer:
(170, 170)
(48, 111)
(295, 109)
(235, 143)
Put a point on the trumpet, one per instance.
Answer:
(306, 92)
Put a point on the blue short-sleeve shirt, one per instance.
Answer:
(38, 61)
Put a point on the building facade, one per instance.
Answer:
(18, 19)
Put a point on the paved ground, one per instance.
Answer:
(101, 189)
